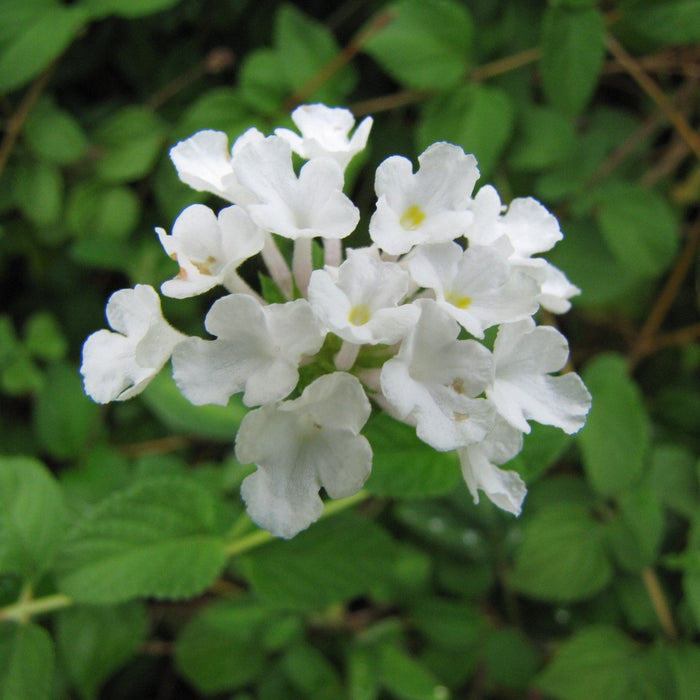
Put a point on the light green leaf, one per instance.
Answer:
(96, 212)
(39, 192)
(362, 670)
(407, 678)
(158, 538)
(26, 662)
(510, 659)
(668, 22)
(130, 142)
(54, 135)
(32, 516)
(475, 117)
(544, 137)
(336, 559)
(64, 417)
(262, 82)
(674, 480)
(403, 466)
(17, 15)
(305, 47)
(424, 45)
(220, 648)
(541, 448)
(596, 663)
(615, 440)
(563, 555)
(638, 227)
(164, 399)
(95, 641)
(311, 673)
(40, 41)
(573, 50)
(43, 337)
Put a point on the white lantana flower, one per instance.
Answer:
(504, 488)
(522, 388)
(203, 161)
(209, 249)
(302, 446)
(432, 381)
(307, 206)
(324, 132)
(430, 206)
(117, 366)
(477, 287)
(258, 350)
(359, 301)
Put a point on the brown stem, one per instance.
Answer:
(659, 602)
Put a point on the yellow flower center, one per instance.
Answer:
(458, 300)
(412, 218)
(359, 315)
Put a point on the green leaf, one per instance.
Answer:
(573, 50)
(310, 672)
(39, 192)
(334, 560)
(615, 440)
(93, 642)
(476, 117)
(130, 142)
(39, 42)
(669, 22)
(408, 678)
(262, 82)
(510, 659)
(220, 649)
(63, 417)
(306, 47)
(32, 516)
(638, 227)
(544, 137)
(674, 480)
(54, 135)
(17, 15)
(125, 8)
(403, 466)
(596, 663)
(423, 45)
(164, 399)
(685, 664)
(158, 538)
(96, 212)
(541, 448)
(43, 337)
(20, 375)
(363, 673)
(26, 662)
(563, 555)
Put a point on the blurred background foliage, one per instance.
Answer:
(127, 566)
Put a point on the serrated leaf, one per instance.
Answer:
(32, 516)
(63, 416)
(596, 663)
(476, 117)
(332, 561)
(403, 466)
(573, 50)
(157, 538)
(54, 135)
(129, 142)
(95, 641)
(638, 227)
(306, 47)
(26, 662)
(214, 422)
(562, 556)
(424, 45)
(41, 40)
(615, 440)
(219, 648)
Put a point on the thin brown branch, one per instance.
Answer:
(645, 342)
(659, 602)
(18, 119)
(154, 447)
(680, 337)
(506, 64)
(635, 70)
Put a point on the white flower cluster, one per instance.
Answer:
(399, 321)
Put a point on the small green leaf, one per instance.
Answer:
(408, 678)
(158, 538)
(674, 480)
(363, 674)
(93, 642)
(97, 212)
(54, 135)
(510, 659)
(26, 662)
(39, 192)
(63, 417)
(596, 663)
(638, 227)
(563, 555)
(403, 466)
(263, 86)
(214, 422)
(32, 516)
(334, 560)
(39, 42)
(125, 8)
(43, 337)
(573, 50)
(476, 117)
(544, 137)
(668, 22)
(130, 142)
(616, 437)
(310, 672)
(424, 45)
(20, 375)
(541, 448)
(220, 648)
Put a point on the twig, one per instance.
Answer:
(659, 603)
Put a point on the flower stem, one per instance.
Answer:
(659, 603)
(24, 609)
